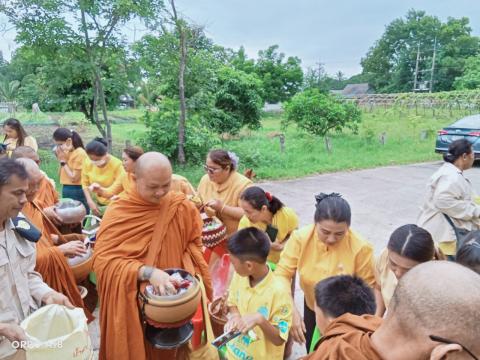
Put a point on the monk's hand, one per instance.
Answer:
(54, 297)
(162, 282)
(52, 215)
(216, 205)
(73, 248)
(12, 332)
(298, 328)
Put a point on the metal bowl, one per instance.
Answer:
(70, 211)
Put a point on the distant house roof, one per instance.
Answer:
(357, 89)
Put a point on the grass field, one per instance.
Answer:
(409, 138)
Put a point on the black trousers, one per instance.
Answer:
(310, 323)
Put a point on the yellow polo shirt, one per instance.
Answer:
(75, 162)
(269, 299)
(104, 176)
(315, 261)
(285, 220)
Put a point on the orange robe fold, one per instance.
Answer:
(348, 338)
(51, 262)
(47, 195)
(128, 229)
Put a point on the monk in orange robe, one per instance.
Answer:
(51, 260)
(47, 196)
(426, 319)
(348, 337)
(148, 216)
(181, 184)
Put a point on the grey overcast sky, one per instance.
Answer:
(335, 33)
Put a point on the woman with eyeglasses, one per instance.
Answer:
(469, 253)
(100, 168)
(15, 135)
(71, 155)
(220, 189)
(409, 245)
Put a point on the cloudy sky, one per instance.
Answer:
(336, 33)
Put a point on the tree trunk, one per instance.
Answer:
(99, 93)
(181, 85)
(183, 107)
(328, 144)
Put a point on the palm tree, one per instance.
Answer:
(9, 91)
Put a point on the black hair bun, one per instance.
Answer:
(101, 140)
(322, 196)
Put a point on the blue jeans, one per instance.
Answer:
(75, 192)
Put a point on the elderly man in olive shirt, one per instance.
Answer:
(22, 290)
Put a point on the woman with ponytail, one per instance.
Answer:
(320, 250)
(71, 156)
(450, 198)
(267, 213)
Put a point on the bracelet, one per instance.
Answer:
(223, 207)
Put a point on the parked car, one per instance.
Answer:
(465, 128)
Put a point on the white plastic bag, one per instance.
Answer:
(56, 332)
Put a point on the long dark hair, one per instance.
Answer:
(257, 198)
(413, 242)
(332, 207)
(17, 126)
(63, 134)
(97, 147)
(456, 149)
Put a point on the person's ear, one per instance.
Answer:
(441, 351)
(249, 265)
(264, 208)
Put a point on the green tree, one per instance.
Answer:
(282, 78)
(9, 89)
(237, 101)
(240, 61)
(319, 113)
(90, 30)
(162, 133)
(471, 76)
(390, 63)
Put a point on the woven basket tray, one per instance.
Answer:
(216, 235)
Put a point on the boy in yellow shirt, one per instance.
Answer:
(256, 301)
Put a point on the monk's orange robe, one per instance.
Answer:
(181, 184)
(47, 195)
(129, 228)
(51, 262)
(348, 338)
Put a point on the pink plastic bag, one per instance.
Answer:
(221, 274)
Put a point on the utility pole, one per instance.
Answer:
(433, 63)
(416, 69)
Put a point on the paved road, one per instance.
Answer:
(381, 199)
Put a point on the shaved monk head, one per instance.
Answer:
(439, 299)
(35, 177)
(25, 152)
(153, 175)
